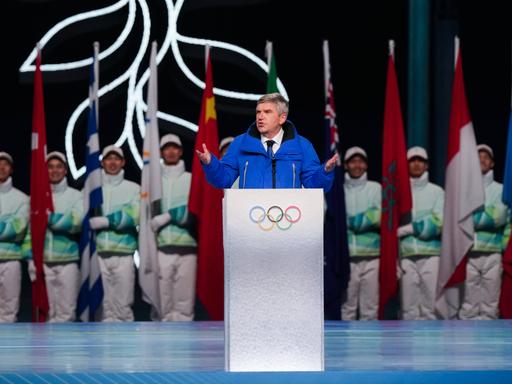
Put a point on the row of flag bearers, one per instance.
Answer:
(110, 220)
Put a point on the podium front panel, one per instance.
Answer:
(273, 244)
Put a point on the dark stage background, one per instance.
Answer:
(357, 31)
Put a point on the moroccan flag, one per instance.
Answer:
(396, 187)
(464, 193)
(506, 284)
(272, 69)
(205, 203)
(150, 196)
(336, 256)
(41, 203)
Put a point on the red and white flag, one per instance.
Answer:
(464, 193)
(41, 202)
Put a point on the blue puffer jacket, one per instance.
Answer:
(296, 163)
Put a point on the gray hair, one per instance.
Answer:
(277, 99)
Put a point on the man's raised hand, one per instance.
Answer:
(205, 156)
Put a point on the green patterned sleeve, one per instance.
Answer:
(491, 218)
(127, 217)
(365, 221)
(430, 226)
(69, 222)
(14, 226)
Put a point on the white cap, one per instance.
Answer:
(6, 156)
(170, 138)
(417, 152)
(112, 149)
(486, 148)
(225, 141)
(56, 155)
(352, 151)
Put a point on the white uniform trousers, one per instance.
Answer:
(177, 283)
(363, 289)
(10, 289)
(482, 286)
(118, 278)
(62, 284)
(418, 286)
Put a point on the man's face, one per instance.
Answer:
(356, 166)
(268, 120)
(56, 170)
(417, 167)
(486, 162)
(5, 170)
(112, 163)
(171, 154)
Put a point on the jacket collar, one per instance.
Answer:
(172, 171)
(488, 178)
(419, 182)
(60, 186)
(112, 180)
(349, 181)
(6, 186)
(252, 141)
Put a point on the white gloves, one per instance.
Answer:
(159, 221)
(399, 271)
(98, 222)
(405, 230)
(32, 270)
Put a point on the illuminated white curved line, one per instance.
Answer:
(141, 106)
(27, 67)
(130, 104)
(75, 172)
(218, 44)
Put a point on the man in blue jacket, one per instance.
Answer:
(271, 154)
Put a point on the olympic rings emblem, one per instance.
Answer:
(275, 216)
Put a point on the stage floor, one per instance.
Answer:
(355, 352)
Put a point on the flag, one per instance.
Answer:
(91, 288)
(41, 203)
(506, 284)
(151, 195)
(205, 203)
(396, 187)
(336, 256)
(464, 193)
(272, 69)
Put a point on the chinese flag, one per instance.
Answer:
(205, 203)
(41, 203)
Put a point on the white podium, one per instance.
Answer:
(273, 265)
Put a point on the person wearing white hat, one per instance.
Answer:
(484, 265)
(177, 248)
(420, 241)
(14, 218)
(363, 204)
(61, 254)
(116, 239)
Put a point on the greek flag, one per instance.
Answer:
(91, 289)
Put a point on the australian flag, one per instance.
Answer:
(336, 256)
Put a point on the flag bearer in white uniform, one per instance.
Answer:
(420, 241)
(363, 201)
(14, 206)
(61, 244)
(484, 268)
(116, 239)
(177, 249)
